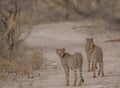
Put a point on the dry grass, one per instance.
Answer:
(36, 59)
(31, 60)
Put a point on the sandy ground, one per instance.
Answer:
(72, 36)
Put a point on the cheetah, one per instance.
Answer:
(97, 57)
(71, 62)
(89, 51)
(96, 54)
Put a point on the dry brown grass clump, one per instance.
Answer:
(30, 60)
(36, 59)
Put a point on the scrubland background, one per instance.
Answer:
(31, 30)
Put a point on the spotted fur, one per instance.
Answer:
(97, 57)
(72, 62)
(89, 51)
(94, 55)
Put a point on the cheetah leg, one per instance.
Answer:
(94, 69)
(67, 75)
(88, 66)
(75, 80)
(92, 65)
(102, 70)
(89, 61)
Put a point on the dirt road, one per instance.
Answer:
(65, 35)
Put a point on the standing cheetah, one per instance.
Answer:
(96, 54)
(72, 62)
(89, 51)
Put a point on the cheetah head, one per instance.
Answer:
(89, 39)
(60, 52)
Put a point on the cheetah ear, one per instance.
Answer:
(92, 38)
(87, 38)
(63, 49)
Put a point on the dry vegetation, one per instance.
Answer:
(15, 15)
(25, 65)
(13, 57)
(55, 10)
(44, 11)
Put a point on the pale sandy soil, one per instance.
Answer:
(64, 35)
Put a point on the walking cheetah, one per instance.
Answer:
(72, 62)
(97, 57)
(95, 54)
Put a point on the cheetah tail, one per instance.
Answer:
(82, 80)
